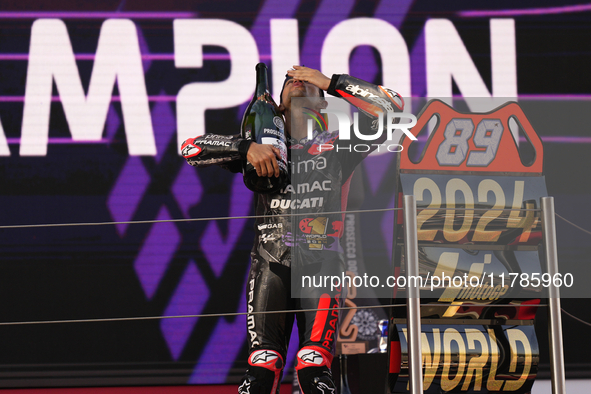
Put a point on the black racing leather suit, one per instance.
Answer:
(297, 231)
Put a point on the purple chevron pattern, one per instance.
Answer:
(157, 251)
(189, 299)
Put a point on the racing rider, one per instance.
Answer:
(320, 173)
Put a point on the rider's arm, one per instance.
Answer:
(211, 149)
(371, 100)
(229, 152)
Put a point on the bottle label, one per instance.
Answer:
(248, 133)
(275, 133)
(277, 143)
(277, 121)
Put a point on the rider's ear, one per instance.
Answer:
(322, 104)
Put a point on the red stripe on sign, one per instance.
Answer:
(527, 313)
(399, 217)
(320, 320)
(395, 357)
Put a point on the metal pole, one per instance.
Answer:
(554, 311)
(413, 308)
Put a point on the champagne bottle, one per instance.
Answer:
(263, 123)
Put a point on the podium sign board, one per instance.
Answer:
(479, 231)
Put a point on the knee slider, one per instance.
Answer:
(264, 373)
(312, 356)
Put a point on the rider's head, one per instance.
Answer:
(297, 88)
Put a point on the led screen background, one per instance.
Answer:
(82, 148)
